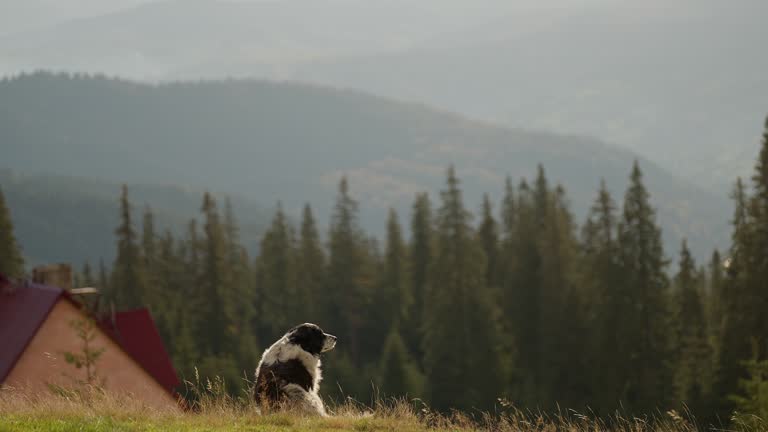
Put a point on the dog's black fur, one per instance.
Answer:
(272, 378)
(289, 371)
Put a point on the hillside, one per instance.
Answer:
(680, 83)
(270, 141)
(72, 219)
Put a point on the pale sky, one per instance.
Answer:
(21, 15)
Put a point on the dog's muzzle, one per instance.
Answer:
(329, 342)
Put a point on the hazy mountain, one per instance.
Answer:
(73, 219)
(270, 141)
(682, 83)
(25, 15)
(157, 40)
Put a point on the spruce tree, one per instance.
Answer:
(692, 349)
(716, 297)
(521, 292)
(190, 249)
(392, 298)
(398, 375)
(562, 372)
(129, 279)
(348, 285)
(218, 312)
(735, 333)
(541, 193)
(489, 239)
(421, 253)
(11, 260)
(149, 238)
(167, 285)
(608, 305)
(396, 296)
(757, 274)
(310, 266)
(232, 233)
(508, 292)
(460, 315)
(745, 325)
(155, 293)
(243, 285)
(641, 259)
(276, 277)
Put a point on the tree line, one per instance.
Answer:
(522, 303)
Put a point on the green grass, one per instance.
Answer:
(195, 423)
(94, 411)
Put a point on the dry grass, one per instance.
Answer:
(95, 410)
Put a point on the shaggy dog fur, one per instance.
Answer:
(289, 374)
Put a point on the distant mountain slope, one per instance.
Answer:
(681, 83)
(269, 142)
(73, 219)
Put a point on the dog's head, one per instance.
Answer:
(311, 338)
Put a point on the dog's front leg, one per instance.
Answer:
(305, 401)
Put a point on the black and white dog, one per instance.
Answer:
(289, 371)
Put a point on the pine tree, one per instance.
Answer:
(562, 306)
(232, 233)
(311, 267)
(11, 260)
(155, 292)
(243, 285)
(521, 292)
(421, 253)
(349, 288)
(276, 277)
(218, 315)
(460, 317)
(509, 293)
(745, 325)
(166, 283)
(191, 252)
(398, 374)
(608, 303)
(489, 239)
(692, 349)
(735, 336)
(149, 238)
(392, 298)
(716, 296)
(757, 275)
(541, 194)
(397, 297)
(129, 279)
(641, 259)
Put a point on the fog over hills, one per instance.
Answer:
(680, 83)
(269, 141)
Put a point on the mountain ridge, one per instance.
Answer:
(272, 142)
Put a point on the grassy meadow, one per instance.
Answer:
(98, 411)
